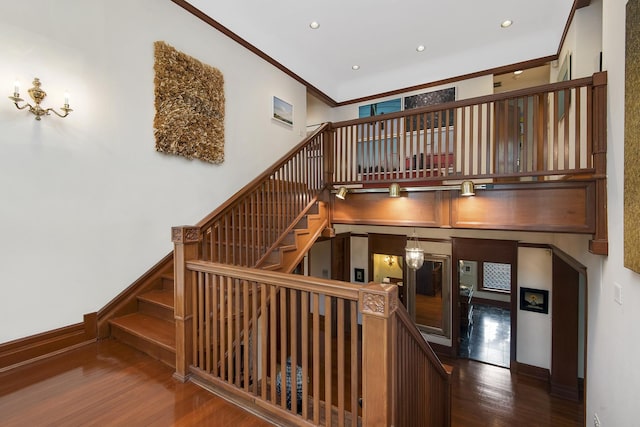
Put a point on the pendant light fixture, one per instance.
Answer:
(414, 253)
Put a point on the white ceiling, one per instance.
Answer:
(381, 36)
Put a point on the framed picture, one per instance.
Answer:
(426, 99)
(536, 300)
(282, 111)
(378, 108)
(358, 274)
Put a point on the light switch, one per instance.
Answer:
(617, 293)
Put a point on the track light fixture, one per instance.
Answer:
(394, 190)
(342, 193)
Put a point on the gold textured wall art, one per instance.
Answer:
(189, 102)
(632, 139)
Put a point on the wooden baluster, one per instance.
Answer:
(377, 303)
(186, 240)
(355, 393)
(341, 361)
(316, 358)
(304, 327)
(328, 366)
(208, 323)
(577, 137)
(246, 368)
(215, 324)
(328, 140)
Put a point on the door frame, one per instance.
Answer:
(483, 250)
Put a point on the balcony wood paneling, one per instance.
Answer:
(555, 208)
(426, 209)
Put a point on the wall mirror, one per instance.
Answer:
(432, 295)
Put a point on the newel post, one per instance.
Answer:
(328, 166)
(185, 240)
(600, 242)
(377, 303)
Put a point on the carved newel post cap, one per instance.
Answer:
(185, 234)
(378, 299)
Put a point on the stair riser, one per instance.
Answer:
(156, 310)
(153, 350)
(166, 283)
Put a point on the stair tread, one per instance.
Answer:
(288, 247)
(162, 297)
(161, 332)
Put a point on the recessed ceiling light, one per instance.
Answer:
(355, 67)
(518, 72)
(420, 48)
(506, 23)
(314, 25)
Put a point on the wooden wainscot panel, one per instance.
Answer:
(426, 209)
(558, 207)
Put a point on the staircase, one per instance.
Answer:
(294, 243)
(151, 329)
(150, 326)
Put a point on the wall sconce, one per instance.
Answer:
(38, 95)
(389, 260)
(467, 189)
(342, 193)
(394, 190)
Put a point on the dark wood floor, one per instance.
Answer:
(488, 395)
(111, 384)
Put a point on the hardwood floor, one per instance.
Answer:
(487, 395)
(111, 384)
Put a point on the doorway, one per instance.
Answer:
(483, 297)
(386, 261)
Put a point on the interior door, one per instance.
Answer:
(341, 257)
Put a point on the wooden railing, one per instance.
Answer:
(244, 228)
(301, 354)
(545, 132)
(418, 375)
(239, 328)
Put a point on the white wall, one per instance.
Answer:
(583, 41)
(359, 257)
(534, 329)
(86, 202)
(613, 345)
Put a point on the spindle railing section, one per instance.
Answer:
(303, 355)
(423, 391)
(539, 133)
(291, 362)
(242, 230)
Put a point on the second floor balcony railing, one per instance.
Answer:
(548, 132)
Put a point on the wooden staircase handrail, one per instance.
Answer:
(405, 319)
(257, 181)
(332, 288)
